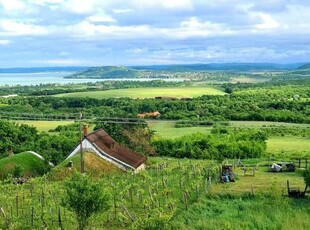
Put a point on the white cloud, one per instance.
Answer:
(14, 28)
(166, 4)
(12, 5)
(121, 11)
(100, 18)
(87, 29)
(61, 61)
(80, 6)
(5, 42)
(267, 22)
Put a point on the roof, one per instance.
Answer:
(107, 144)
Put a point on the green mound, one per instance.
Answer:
(107, 72)
(93, 165)
(23, 164)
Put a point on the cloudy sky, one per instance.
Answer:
(144, 32)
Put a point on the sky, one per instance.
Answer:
(37, 33)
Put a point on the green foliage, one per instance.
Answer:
(16, 138)
(85, 198)
(306, 175)
(17, 171)
(242, 144)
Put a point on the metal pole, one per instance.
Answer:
(81, 145)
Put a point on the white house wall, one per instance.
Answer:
(88, 146)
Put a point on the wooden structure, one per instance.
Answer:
(301, 162)
(108, 149)
(151, 114)
(227, 174)
(295, 192)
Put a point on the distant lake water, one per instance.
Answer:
(12, 79)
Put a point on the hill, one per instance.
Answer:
(25, 164)
(305, 66)
(154, 71)
(231, 67)
(106, 72)
(93, 164)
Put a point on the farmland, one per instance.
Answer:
(253, 124)
(173, 193)
(178, 92)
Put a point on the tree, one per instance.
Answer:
(306, 175)
(85, 197)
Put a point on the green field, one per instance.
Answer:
(173, 193)
(149, 92)
(44, 126)
(275, 145)
(288, 144)
(166, 129)
(259, 124)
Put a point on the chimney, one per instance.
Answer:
(85, 130)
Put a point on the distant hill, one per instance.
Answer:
(106, 72)
(26, 163)
(305, 66)
(235, 67)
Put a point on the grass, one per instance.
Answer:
(166, 129)
(44, 126)
(288, 144)
(178, 92)
(30, 165)
(93, 164)
(260, 124)
(170, 192)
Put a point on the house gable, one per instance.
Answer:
(108, 149)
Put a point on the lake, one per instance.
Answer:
(12, 79)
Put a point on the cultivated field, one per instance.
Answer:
(166, 129)
(44, 126)
(149, 92)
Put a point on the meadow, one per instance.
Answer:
(171, 193)
(44, 126)
(150, 92)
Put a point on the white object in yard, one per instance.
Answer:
(276, 167)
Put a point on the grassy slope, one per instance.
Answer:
(30, 164)
(149, 92)
(93, 165)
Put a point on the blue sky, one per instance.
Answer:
(148, 32)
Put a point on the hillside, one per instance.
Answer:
(26, 163)
(235, 67)
(305, 66)
(93, 164)
(154, 71)
(106, 72)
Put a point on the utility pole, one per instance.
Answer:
(81, 144)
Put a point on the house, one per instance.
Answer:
(108, 149)
(151, 114)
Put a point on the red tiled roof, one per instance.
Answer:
(108, 145)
